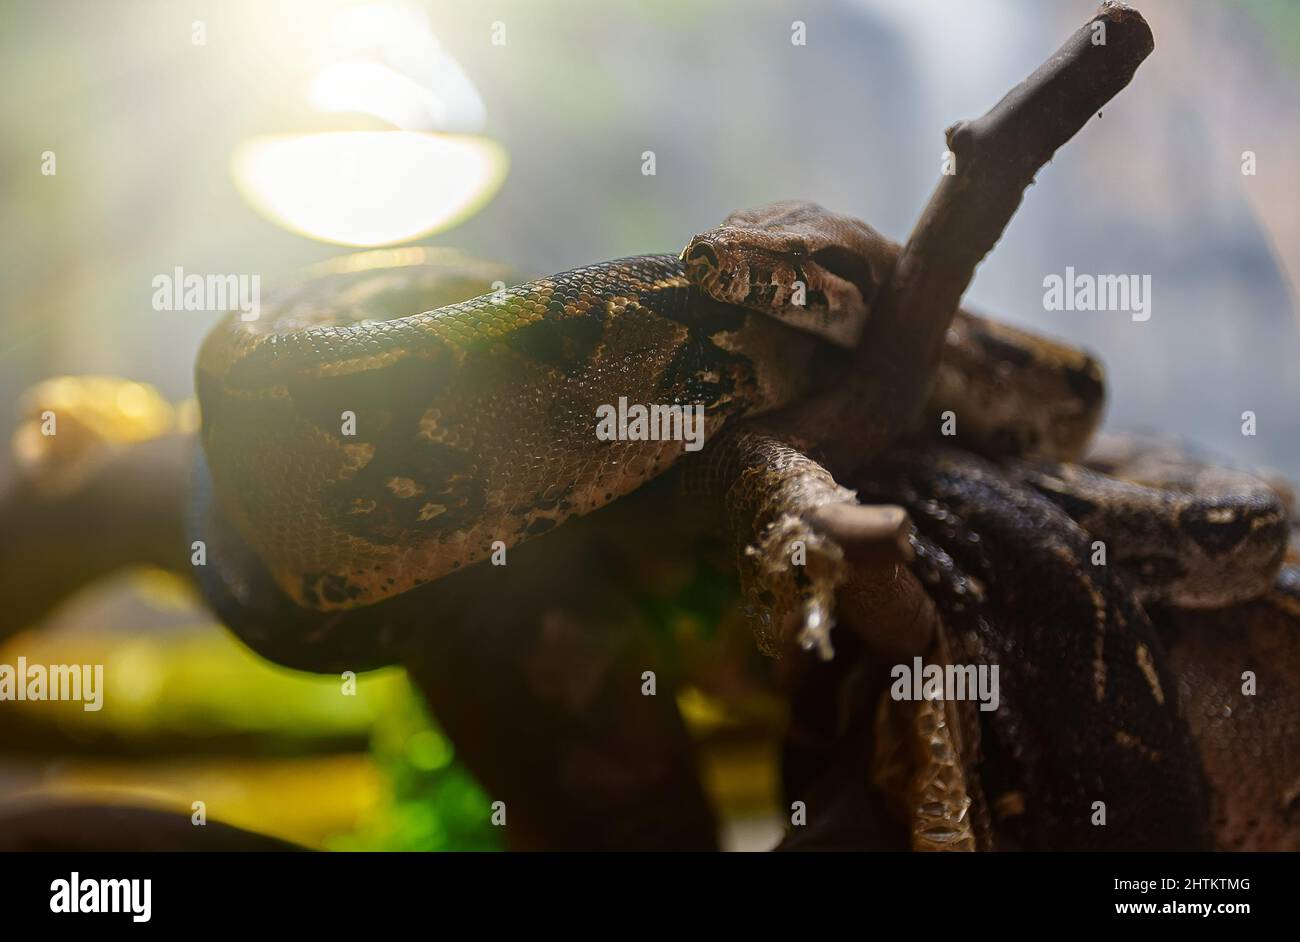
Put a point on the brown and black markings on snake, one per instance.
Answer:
(473, 423)
(1189, 534)
(476, 422)
(1089, 711)
(1236, 728)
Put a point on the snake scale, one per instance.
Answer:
(359, 451)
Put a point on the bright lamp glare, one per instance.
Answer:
(368, 188)
(374, 89)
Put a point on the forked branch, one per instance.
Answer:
(996, 158)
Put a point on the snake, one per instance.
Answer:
(354, 452)
(362, 454)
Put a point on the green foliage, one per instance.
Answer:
(435, 803)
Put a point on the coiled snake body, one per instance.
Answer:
(363, 456)
(360, 451)
(473, 423)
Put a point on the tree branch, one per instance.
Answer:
(997, 157)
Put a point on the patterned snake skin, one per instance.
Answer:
(473, 423)
(356, 452)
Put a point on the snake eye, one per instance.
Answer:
(703, 252)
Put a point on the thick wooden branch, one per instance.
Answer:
(997, 157)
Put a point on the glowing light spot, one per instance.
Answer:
(368, 187)
(375, 89)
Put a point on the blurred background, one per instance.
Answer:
(256, 137)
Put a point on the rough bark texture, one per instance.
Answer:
(997, 157)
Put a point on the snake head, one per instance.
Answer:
(796, 262)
